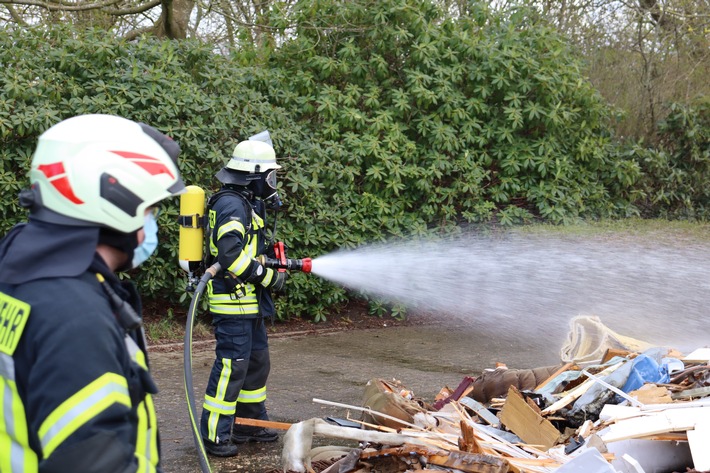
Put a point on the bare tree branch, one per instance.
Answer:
(15, 16)
(134, 10)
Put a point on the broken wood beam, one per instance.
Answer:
(269, 424)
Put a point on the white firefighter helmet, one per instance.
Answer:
(102, 170)
(250, 158)
(253, 156)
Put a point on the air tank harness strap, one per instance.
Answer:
(192, 221)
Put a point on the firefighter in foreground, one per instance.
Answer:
(240, 298)
(74, 376)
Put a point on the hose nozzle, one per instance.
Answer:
(290, 264)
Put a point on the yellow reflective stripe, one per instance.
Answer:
(245, 257)
(240, 264)
(213, 247)
(140, 360)
(256, 221)
(13, 317)
(234, 309)
(257, 395)
(230, 226)
(83, 406)
(17, 456)
(220, 406)
(153, 430)
(135, 352)
(251, 246)
(270, 273)
(147, 438)
(225, 299)
(219, 394)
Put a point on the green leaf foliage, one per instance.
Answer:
(676, 180)
(422, 121)
(391, 119)
(182, 88)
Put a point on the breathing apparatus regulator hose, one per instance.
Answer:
(187, 365)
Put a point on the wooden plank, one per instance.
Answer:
(692, 393)
(467, 441)
(269, 424)
(527, 424)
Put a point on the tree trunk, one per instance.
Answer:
(174, 19)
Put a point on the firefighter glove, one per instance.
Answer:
(279, 281)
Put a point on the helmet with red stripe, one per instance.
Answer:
(101, 170)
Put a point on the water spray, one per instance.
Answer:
(530, 287)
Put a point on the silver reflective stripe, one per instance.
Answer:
(17, 452)
(80, 409)
(7, 371)
(252, 396)
(7, 367)
(17, 457)
(221, 408)
(132, 347)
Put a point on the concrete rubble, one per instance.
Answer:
(613, 405)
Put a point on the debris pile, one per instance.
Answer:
(614, 405)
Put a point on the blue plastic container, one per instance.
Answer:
(645, 370)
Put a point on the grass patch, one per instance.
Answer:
(171, 327)
(637, 229)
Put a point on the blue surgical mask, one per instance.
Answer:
(150, 242)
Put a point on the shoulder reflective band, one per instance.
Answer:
(13, 317)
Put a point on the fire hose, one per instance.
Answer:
(187, 365)
(280, 263)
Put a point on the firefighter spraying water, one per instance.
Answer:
(224, 248)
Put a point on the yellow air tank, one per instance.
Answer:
(191, 244)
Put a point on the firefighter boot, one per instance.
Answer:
(226, 449)
(253, 434)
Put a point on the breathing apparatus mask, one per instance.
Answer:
(263, 185)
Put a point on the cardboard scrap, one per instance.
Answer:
(651, 394)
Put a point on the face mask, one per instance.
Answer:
(150, 242)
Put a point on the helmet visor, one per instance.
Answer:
(271, 179)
